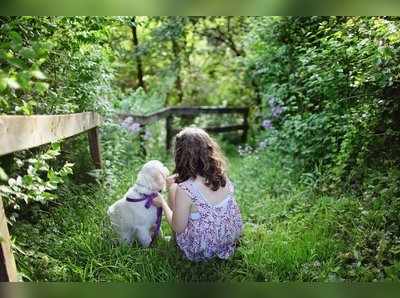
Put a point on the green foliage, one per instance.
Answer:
(38, 183)
(198, 58)
(51, 65)
(336, 78)
(62, 60)
(139, 102)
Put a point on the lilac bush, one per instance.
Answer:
(130, 125)
(277, 111)
(267, 124)
(127, 122)
(134, 127)
(276, 108)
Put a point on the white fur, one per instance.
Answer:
(131, 219)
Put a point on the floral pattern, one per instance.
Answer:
(215, 232)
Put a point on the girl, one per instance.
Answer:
(202, 210)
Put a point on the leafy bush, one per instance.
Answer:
(38, 183)
(52, 65)
(336, 78)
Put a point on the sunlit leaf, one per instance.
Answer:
(38, 75)
(3, 175)
(12, 83)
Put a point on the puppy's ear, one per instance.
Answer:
(160, 181)
(143, 184)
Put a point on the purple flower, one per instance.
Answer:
(127, 122)
(276, 111)
(134, 127)
(267, 124)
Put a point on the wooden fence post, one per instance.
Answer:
(168, 129)
(94, 145)
(245, 124)
(142, 140)
(8, 271)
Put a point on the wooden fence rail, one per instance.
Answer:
(24, 132)
(171, 112)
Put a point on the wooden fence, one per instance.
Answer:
(24, 132)
(170, 113)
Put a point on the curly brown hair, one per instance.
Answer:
(196, 153)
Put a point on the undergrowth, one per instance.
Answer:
(292, 232)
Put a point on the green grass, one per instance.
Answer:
(290, 233)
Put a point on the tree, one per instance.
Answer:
(137, 54)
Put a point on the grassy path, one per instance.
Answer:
(288, 235)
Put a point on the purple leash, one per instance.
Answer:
(149, 202)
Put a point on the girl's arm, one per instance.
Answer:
(167, 211)
(172, 195)
(177, 218)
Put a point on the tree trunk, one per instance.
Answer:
(178, 82)
(137, 55)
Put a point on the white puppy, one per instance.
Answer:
(129, 216)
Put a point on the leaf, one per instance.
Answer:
(27, 53)
(18, 63)
(51, 175)
(27, 179)
(56, 146)
(41, 87)
(12, 83)
(3, 175)
(23, 79)
(5, 189)
(3, 83)
(38, 75)
(4, 104)
(32, 160)
(16, 39)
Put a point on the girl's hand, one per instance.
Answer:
(171, 180)
(158, 201)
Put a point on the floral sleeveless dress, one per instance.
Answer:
(213, 230)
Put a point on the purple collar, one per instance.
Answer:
(148, 198)
(149, 202)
